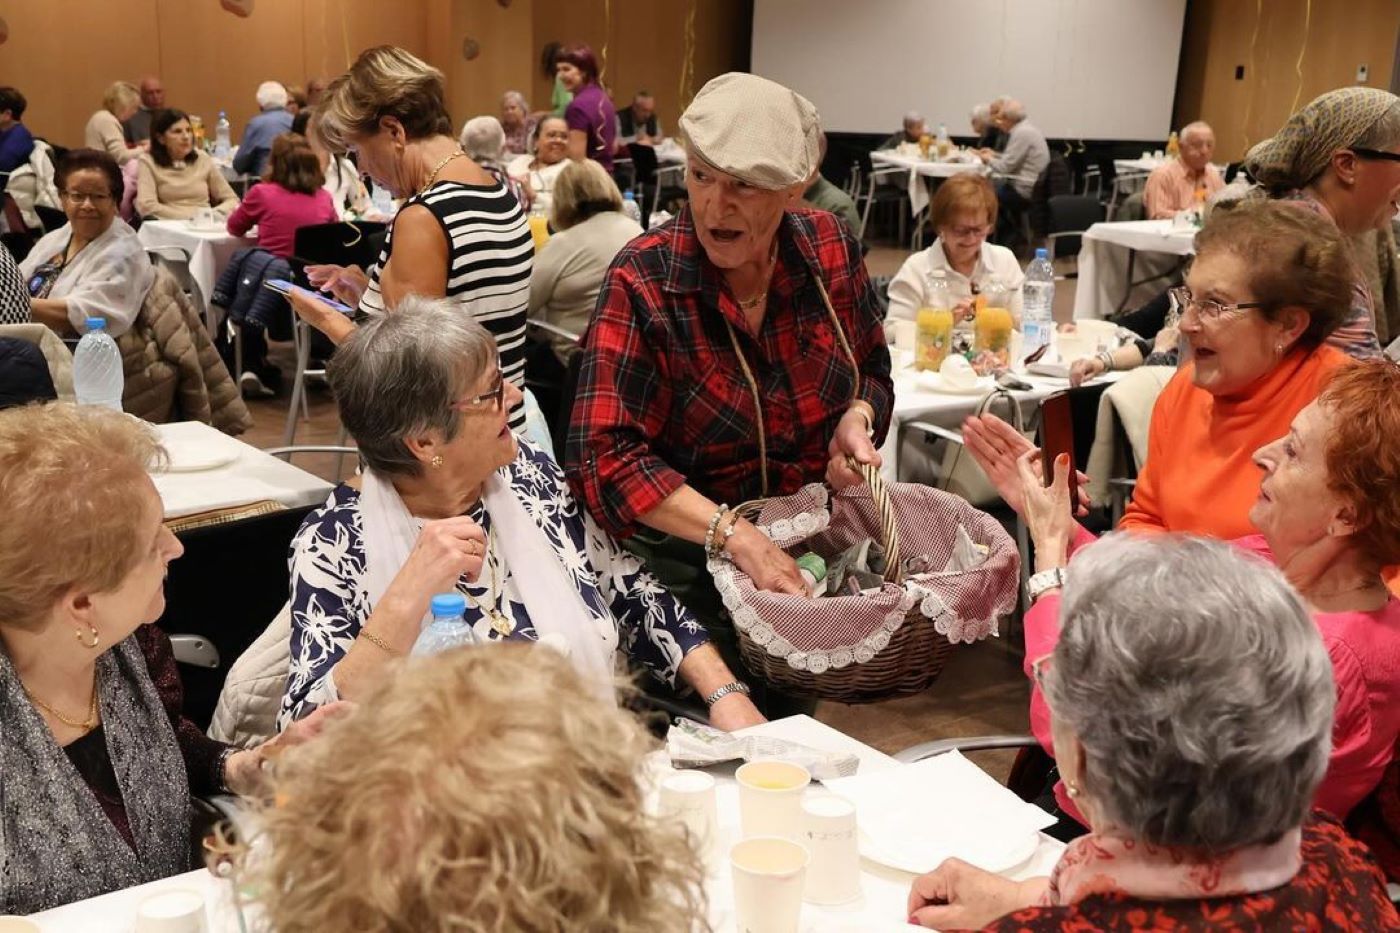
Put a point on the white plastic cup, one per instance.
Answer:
(829, 835)
(689, 798)
(904, 332)
(769, 875)
(770, 798)
(180, 911)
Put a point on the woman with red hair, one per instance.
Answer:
(591, 116)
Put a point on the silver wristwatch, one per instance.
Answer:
(1040, 583)
(734, 686)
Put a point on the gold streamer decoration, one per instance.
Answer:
(607, 36)
(686, 91)
(1307, 29)
(1254, 75)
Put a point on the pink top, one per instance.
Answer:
(278, 213)
(1365, 652)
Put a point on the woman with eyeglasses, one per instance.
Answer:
(450, 500)
(1270, 282)
(94, 265)
(963, 212)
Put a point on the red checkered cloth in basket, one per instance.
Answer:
(833, 632)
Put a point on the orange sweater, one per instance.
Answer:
(1199, 476)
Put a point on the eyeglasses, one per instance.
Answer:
(1205, 308)
(495, 398)
(1376, 154)
(78, 197)
(964, 233)
(1039, 668)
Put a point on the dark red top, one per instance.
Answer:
(1338, 887)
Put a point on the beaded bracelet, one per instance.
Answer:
(710, 531)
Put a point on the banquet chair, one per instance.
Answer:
(1124, 185)
(1070, 215)
(1029, 773)
(888, 185)
(176, 261)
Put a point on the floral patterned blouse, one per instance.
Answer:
(330, 601)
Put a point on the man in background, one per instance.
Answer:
(638, 123)
(1020, 165)
(138, 127)
(825, 196)
(273, 121)
(1187, 180)
(910, 132)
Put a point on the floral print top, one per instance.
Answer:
(329, 600)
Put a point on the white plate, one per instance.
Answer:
(982, 386)
(998, 859)
(195, 458)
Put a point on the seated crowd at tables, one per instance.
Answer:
(1217, 681)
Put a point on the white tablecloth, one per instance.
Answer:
(1138, 165)
(920, 169)
(250, 476)
(209, 250)
(880, 908)
(945, 410)
(1103, 261)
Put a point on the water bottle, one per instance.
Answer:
(97, 367)
(629, 206)
(1038, 303)
(813, 570)
(221, 137)
(448, 629)
(945, 144)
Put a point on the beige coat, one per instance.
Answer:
(173, 372)
(252, 694)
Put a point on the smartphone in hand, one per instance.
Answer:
(283, 287)
(1057, 437)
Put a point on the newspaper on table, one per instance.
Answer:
(692, 745)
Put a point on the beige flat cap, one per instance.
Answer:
(754, 129)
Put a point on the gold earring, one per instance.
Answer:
(436, 461)
(92, 631)
(1072, 789)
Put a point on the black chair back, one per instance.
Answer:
(1071, 212)
(50, 217)
(347, 243)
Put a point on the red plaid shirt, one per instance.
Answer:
(662, 400)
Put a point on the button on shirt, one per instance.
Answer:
(663, 401)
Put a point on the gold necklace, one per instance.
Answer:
(432, 176)
(87, 725)
(748, 304)
(502, 625)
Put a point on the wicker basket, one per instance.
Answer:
(863, 649)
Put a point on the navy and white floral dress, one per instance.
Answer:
(330, 602)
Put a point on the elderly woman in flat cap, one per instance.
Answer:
(1340, 156)
(735, 352)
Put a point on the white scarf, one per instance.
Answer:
(556, 608)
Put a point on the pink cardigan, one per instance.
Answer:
(278, 213)
(1365, 652)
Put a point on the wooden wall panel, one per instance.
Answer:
(62, 54)
(1334, 38)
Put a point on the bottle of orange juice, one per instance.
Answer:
(994, 324)
(933, 324)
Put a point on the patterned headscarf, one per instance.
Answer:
(1300, 151)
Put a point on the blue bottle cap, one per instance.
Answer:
(452, 605)
(95, 323)
(1042, 253)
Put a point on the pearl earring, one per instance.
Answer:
(1072, 789)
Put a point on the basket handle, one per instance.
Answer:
(889, 531)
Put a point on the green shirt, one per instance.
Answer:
(561, 98)
(825, 196)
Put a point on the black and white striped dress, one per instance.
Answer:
(490, 254)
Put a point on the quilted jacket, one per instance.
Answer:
(173, 372)
(252, 694)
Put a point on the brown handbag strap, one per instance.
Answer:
(753, 383)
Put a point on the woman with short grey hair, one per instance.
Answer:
(451, 501)
(517, 122)
(1193, 735)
